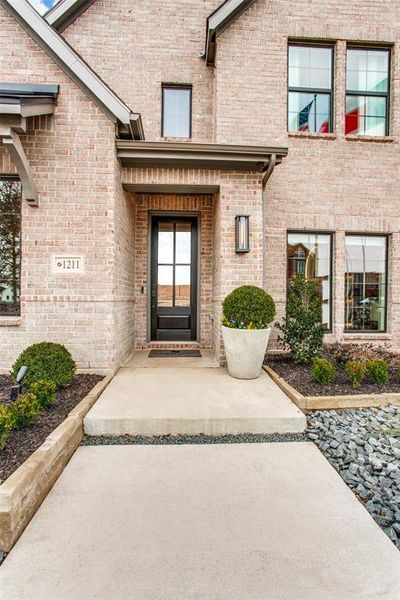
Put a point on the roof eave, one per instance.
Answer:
(218, 21)
(66, 12)
(68, 60)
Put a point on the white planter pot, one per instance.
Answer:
(245, 350)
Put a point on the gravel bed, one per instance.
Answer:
(364, 447)
(156, 440)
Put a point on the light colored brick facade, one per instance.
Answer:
(328, 183)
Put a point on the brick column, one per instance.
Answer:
(240, 193)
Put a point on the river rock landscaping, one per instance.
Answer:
(22, 442)
(364, 447)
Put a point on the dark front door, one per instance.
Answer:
(173, 278)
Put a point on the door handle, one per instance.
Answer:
(153, 296)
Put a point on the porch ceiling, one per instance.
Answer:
(200, 156)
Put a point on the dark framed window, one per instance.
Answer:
(367, 91)
(366, 283)
(176, 111)
(310, 254)
(10, 246)
(310, 95)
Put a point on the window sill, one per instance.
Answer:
(312, 136)
(387, 139)
(367, 336)
(10, 321)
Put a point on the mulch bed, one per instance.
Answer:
(22, 443)
(299, 377)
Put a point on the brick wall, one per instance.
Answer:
(72, 156)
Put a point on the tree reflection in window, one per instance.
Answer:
(10, 246)
(309, 254)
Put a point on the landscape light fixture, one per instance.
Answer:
(17, 388)
(242, 227)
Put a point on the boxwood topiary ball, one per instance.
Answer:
(46, 360)
(248, 307)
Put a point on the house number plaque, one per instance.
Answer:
(68, 264)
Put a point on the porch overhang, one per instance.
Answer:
(183, 155)
(27, 100)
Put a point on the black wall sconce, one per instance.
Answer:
(242, 228)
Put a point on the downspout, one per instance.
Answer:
(268, 172)
(266, 175)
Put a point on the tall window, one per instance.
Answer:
(176, 111)
(10, 246)
(310, 88)
(309, 254)
(365, 283)
(367, 91)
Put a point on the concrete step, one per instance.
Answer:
(173, 400)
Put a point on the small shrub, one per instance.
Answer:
(23, 410)
(47, 361)
(248, 307)
(355, 371)
(302, 330)
(5, 425)
(378, 371)
(341, 353)
(323, 371)
(45, 392)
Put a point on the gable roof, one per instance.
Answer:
(219, 20)
(129, 123)
(64, 12)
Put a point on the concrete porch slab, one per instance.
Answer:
(144, 401)
(223, 522)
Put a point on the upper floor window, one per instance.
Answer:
(10, 246)
(367, 91)
(310, 88)
(176, 111)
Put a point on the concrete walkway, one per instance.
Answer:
(218, 522)
(183, 398)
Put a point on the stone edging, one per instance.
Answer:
(23, 492)
(332, 402)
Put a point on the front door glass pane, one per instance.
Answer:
(174, 263)
(182, 285)
(365, 283)
(166, 243)
(165, 285)
(183, 243)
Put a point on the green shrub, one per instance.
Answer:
(323, 371)
(47, 361)
(45, 392)
(5, 425)
(248, 307)
(355, 371)
(378, 371)
(23, 410)
(302, 330)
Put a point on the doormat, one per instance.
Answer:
(174, 353)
